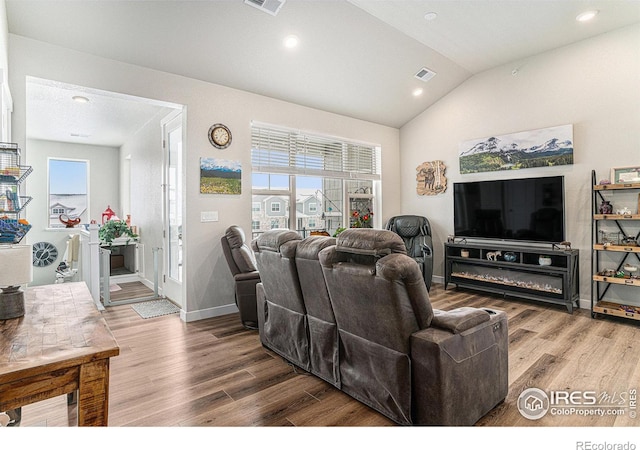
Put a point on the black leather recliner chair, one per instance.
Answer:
(415, 231)
(242, 264)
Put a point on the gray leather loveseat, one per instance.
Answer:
(355, 311)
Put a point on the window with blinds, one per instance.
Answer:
(312, 183)
(280, 150)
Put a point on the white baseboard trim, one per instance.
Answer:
(584, 303)
(208, 313)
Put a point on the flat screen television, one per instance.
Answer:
(525, 209)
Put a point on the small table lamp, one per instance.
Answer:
(16, 269)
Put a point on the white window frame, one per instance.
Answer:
(49, 212)
(280, 150)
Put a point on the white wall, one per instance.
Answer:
(143, 155)
(103, 191)
(208, 287)
(594, 85)
(4, 35)
(5, 94)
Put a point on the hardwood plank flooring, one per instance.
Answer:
(129, 290)
(214, 372)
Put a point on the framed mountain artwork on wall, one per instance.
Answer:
(536, 148)
(220, 176)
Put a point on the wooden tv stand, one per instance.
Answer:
(524, 277)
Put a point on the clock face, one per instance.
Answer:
(44, 254)
(219, 136)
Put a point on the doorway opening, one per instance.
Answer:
(119, 136)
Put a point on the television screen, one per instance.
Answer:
(527, 209)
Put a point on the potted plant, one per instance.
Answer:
(113, 229)
(338, 231)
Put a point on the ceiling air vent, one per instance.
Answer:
(269, 6)
(425, 74)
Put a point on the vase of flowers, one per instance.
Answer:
(362, 219)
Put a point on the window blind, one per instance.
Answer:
(281, 150)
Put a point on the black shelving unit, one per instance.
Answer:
(617, 236)
(12, 204)
(515, 271)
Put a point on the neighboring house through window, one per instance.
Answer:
(68, 190)
(322, 182)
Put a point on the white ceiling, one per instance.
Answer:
(357, 58)
(108, 119)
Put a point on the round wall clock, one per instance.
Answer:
(44, 254)
(219, 136)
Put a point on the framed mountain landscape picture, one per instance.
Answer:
(536, 148)
(220, 176)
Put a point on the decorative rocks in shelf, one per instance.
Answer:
(510, 257)
(544, 260)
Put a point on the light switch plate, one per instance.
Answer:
(208, 216)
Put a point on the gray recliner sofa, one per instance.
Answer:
(383, 342)
(295, 317)
(241, 263)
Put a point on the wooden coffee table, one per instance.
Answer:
(60, 346)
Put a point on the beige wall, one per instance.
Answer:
(208, 284)
(594, 85)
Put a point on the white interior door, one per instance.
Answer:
(173, 207)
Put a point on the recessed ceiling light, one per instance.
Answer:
(291, 41)
(417, 92)
(430, 16)
(80, 99)
(586, 16)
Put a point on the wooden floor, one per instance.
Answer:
(130, 290)
(214, 372)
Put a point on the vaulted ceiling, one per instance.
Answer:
(356, 58)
